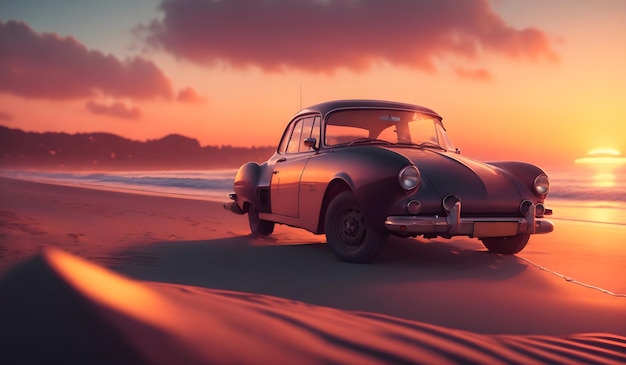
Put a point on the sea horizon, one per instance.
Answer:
(576, 193)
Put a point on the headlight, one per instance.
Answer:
(409, 177)
(542, 184)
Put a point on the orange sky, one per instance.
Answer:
(537, 81)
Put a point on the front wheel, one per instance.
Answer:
(506, 245)
(258, 226)
(347, 233)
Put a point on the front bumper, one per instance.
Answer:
(454, 225)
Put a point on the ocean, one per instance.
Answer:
(212, 185)
(588, 193)
(579, 193)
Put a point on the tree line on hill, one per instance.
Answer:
(104, 151)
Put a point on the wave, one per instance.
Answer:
(209, 184)
(599, 195)
(609, 187)
(176, 182)
(217, 179)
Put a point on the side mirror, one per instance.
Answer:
(311, 143)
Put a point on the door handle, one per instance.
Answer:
(281, 160)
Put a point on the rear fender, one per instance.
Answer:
(246, 184)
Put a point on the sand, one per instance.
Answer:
(186, 275)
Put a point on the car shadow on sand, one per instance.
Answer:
(309, 272)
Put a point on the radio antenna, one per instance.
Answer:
(300, 95)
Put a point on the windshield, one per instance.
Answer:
(384, 126)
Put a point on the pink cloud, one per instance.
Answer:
(53, 67)
(189, 95)
(116, 110)
(325, 35)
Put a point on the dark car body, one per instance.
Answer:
(359, 170)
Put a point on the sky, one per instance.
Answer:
(537, 81)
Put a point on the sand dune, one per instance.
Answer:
(211, 293)
(83, 313)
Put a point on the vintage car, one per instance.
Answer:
(361, 170)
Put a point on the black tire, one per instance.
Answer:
(258, 226)
(347, 233)
(506, 245)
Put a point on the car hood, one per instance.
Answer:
(483, 188)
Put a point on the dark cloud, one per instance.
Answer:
(116, 110)
(189, 95)
(324, 35)
(52, 67)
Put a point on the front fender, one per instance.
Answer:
(524, 172)
(345, 178)
(372, 174)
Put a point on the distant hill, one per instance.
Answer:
(104, 151)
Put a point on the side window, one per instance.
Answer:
(307, 126)
(315, 132)
(296, 137)
(282, 148)
(310, 128)
(303, 129)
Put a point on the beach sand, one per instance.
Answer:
(422, 299)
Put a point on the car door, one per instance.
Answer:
(285, 185)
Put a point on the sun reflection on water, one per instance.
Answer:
(605, 162)
(604, 180)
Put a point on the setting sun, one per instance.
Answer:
(604, 161)
(604, 152)
(603, 156)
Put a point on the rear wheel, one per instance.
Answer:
(347, 233)
(506, 245)
(258, 226)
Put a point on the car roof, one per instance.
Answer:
(329, 106)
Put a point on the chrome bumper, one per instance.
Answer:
(454, 225)
(232, 205)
